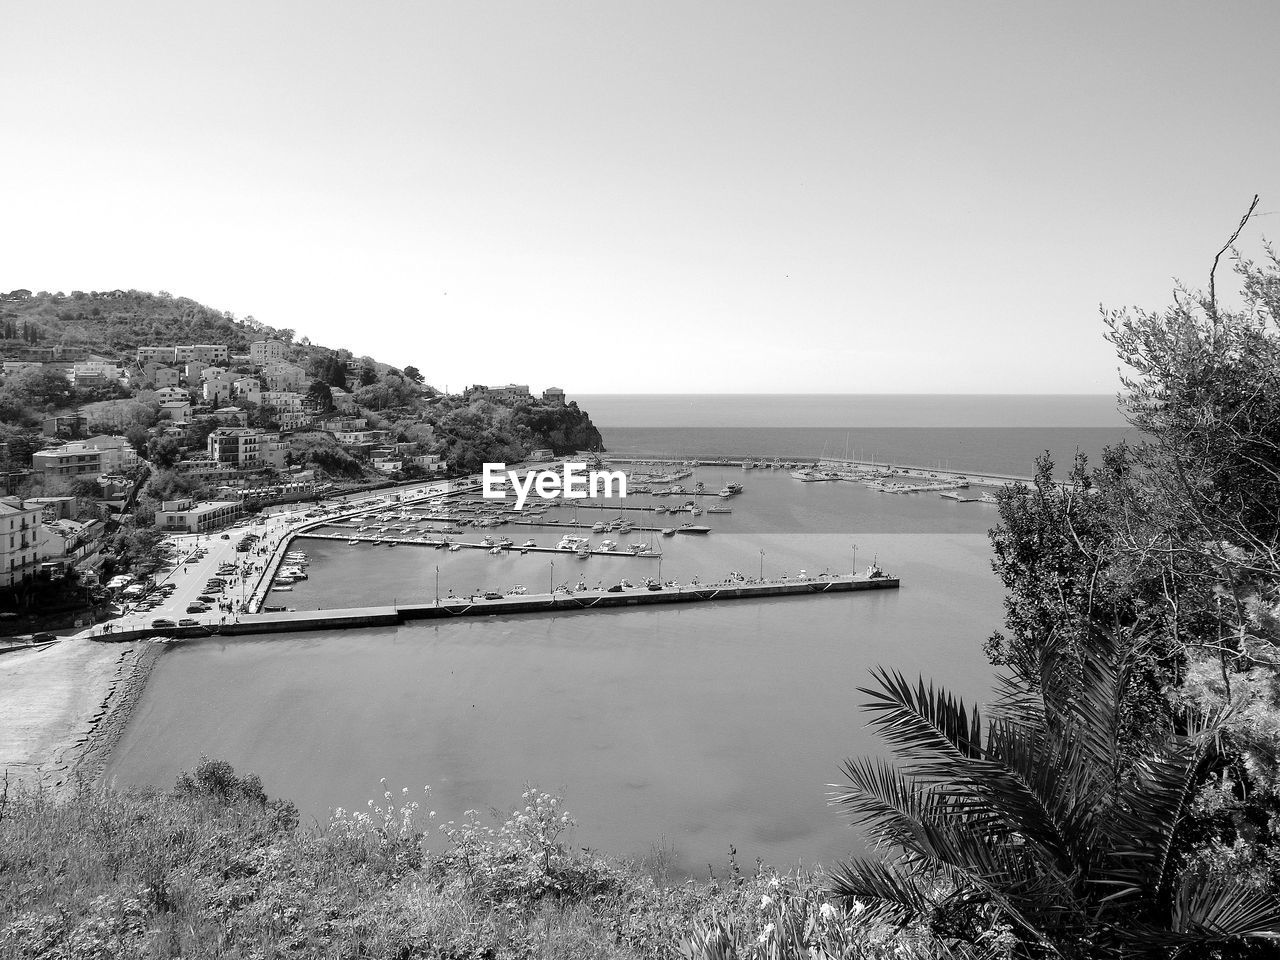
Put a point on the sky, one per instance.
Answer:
(648, 197)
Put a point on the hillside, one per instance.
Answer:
(113, 324)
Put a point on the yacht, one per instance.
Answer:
(455, 547)
(598, 527)
(719, 510)
(659, 509)
(608, 545)
(692, 528)
(668, 531)
(583, 551)
(530, 543)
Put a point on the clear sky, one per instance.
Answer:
(649, 196)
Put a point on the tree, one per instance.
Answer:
(321, 393)
(163, 452)
(1039, 820)
(414, 374)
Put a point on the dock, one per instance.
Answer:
(559, 602)
(439, 544)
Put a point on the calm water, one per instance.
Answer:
(1000, 434)
(705, 726)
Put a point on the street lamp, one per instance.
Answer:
(854, 548)
(762, 565)
(437, 584)
(551, 584)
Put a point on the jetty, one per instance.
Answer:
(562, 601)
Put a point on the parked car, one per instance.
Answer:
(188, 622)
(161, 623)
(491, 595)
(197, 608)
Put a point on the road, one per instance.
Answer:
(201, 555)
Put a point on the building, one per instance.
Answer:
(17, 366)
(283, 375)
(19, 541)
(229, 416)
(159, 375)
(217, 389)
(95, 371)
(169, 394)
(163, 355)
(207, 354)
(246, 448)
(97, 455)
(64, 425)
(553, 395)
(430, 462)
(66, 543)
(343, 402)
(262, 352)
(248, 389)
(542, 454)
(507, 393)
(187, 516)
(176, 410)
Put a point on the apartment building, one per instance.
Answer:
(19, 541)
(97, 455)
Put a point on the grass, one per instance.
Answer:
(213, 868)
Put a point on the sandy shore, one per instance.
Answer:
(63, 708)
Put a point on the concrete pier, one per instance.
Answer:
(513, 604)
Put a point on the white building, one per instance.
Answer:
(246, 448)
(203, 353)
(165, 355)
(186, 516)
(262, 352)
(19, 541)
(97, 455)
(247, 388)
(283, 375)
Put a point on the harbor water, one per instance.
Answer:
(689, 727)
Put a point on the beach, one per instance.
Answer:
(64, 707)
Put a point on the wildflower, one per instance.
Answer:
(827, 912)
(774, 883)
(766, 902)
(857, 907)
(766, 933)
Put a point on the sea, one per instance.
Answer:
(684, 731)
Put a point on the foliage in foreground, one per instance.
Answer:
(214, 868)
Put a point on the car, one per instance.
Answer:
(491, 595)
(197, 608)
(162, 622)
(655, 586)
(188, 622)
(616, 588)
(205, 598)
(226, 536)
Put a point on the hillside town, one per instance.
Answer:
(106, 452)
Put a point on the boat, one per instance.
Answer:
(530, 543)
(495, 551)
(692, 528)
(668, 531)
(608, 545)
(454, 548)
(719, 510)
(352, 542)
(280, 588)
(639, 547)
(598, 527)
(659, 509)
(696, 511)
(725, 493)
(583, 551)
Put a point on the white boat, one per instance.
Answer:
(639, 547)
(598, 527)
(454, 548)
(352, 542)
(530, 543)
(659, 509)
(719, 510)
(495, 551)
(608, 545)
(668, 531)
(583, 551)
(692, 528)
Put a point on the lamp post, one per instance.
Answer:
(551, 583)
(437, 584)
(762, 565)
(854, 548)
